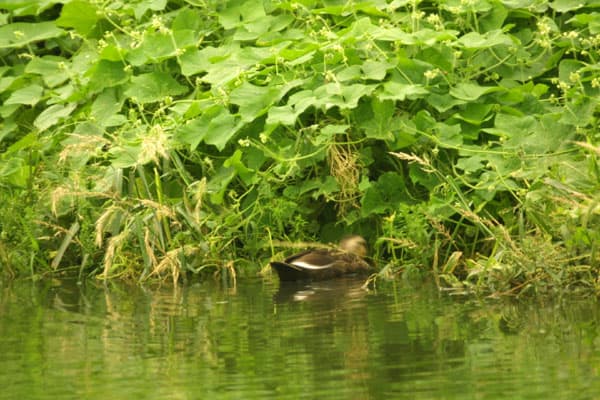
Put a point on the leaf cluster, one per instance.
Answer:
(171, 136)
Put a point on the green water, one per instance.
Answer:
(331, 340)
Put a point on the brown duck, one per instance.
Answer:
(320, 264)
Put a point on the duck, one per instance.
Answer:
(350, 257)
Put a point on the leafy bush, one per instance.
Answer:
(170, 136)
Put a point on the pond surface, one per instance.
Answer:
(331, 340)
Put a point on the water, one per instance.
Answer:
(331, 340)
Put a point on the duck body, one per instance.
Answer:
(321, 264)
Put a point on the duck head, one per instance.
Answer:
(354, 244)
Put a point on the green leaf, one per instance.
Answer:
(568, 67)
(107, 74)
(20, 34)
(475, 40)
(375, 70)
(591, 20)
(239, 60)
(378, 124)
(216, 126)
(351, 8)
(105, 108)
(353, 72)
(471, 91)
(52, 69)
(253, 100)
(194, 61)
(217, 186)
(188, 19)
(154, 86)
(144, 5)
(52, 115)
(29, 95)
(15, 171)
(449, 135)
(476, 113)
(80, 15)
(567, 5)
(246, 174)
(241, 14)
(297, 103)
(471, 164)
(401, 91)
(384, 195)
(158, 46)
(443, 102)
(342, 96)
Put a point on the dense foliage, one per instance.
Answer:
(152, 136)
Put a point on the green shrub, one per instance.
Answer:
(157, 136)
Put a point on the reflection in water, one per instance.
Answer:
(330, 339)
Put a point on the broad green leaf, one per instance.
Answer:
(16, 4)
(154, 86)
(20, 34)
(158, 46)
(342, 96)
(474, 40)
(235, 161)
(218, 184)
(351, 8)
(87, 136)
(375, 70)
(6, 110)
(240, 61)
(125, 156)
(29, 95)
(351, 73)
(567, 68)
(194, 61)
(327, 187)
(297, 103)
(449, 135)
(471, 91)
(580, 111)
(26, 142)
(538, 6)
(140, 8)
(15, 171)
(52, 115)
(253, 100)
(216, 126)
(494, 19)
(429, 37)
(401, 91)
(107, 74)
(386, 34)
(188, 19)
(384, 195)
(443, 102)
(53, 70)
(377, 124)
(240, 14)
(257, 28)
(79, 15)
(224, 65)
(567, 5)
(328, 132)
(471, 164)
(106, 107)
(475, 113)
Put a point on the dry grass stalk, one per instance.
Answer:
(345, 168)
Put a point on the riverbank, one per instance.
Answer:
(163, 139)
